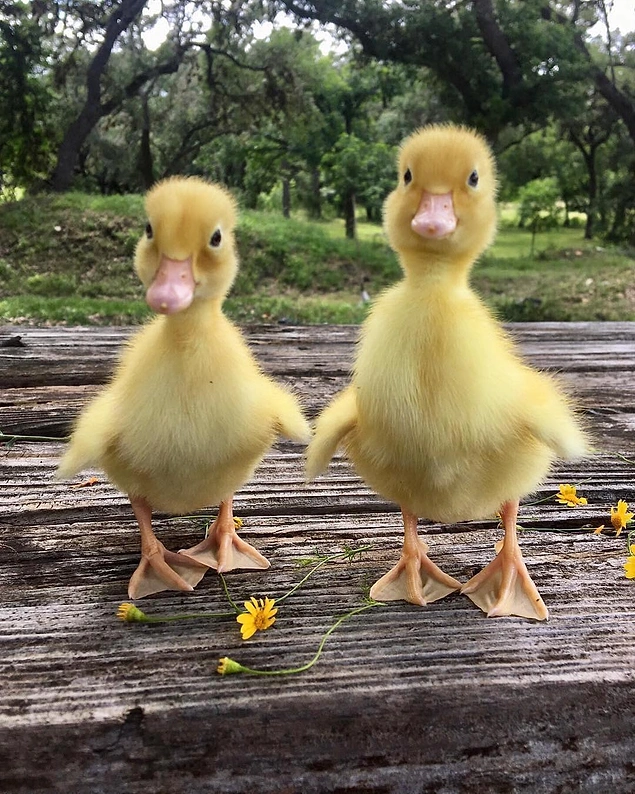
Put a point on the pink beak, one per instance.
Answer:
(435, 216)
(172, 288)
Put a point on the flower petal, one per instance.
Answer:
(251, 606)
(247, 631)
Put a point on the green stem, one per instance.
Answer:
(233, 604)
(623, 457)
(554, 496)
(318, 566)
(15, 437)
(309, 664)
(190, 616)
(555, 529)
(297, 586)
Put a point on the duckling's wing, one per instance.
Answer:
(291, 422)
(551, 417)
(334, 424)
(95, 431)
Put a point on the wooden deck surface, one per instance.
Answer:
(404, 699)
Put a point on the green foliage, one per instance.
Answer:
(539, 205)
(25, 128)
(51, 284)
(296, 254)
(291, 270)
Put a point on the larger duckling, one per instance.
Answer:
(442, 416)
(188, 414)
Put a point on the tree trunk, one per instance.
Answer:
(146, 164)
(314, 204)
(286, 196)
(349, 214)
(589, 229)
(68, 153)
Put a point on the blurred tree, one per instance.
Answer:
(359, 170)
(25, 125)
(539, 206)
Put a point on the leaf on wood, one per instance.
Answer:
(87, 483)
(12, 341)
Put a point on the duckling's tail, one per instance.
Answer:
(334, 424)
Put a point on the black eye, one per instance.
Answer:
(215, 239)
(149, 231)
(407, 177)
(472, 179)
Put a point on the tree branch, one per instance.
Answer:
(498, 46)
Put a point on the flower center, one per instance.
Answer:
(260, 620)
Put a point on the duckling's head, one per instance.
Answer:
(187, 252)
(444, 204)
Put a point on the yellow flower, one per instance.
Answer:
(238, 522)
(567, 496)
(598, 530)
(619, 517)
(629, 566)
(226, 666)
(130, 613)
(258, 617)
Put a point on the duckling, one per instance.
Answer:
(188, 414)
(442, 417)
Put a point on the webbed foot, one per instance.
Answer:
(164, 570)
(504, 587)
(159, 568)
(415, 578)
(222, 549)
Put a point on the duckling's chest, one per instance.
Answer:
(192, 402)
(425, 370)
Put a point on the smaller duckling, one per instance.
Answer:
(188, 414)
(442, 416)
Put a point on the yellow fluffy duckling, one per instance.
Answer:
(188, 414)
(442, 417)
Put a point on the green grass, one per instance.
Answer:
(68, 259)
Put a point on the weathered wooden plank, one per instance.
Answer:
(71, 356)
(315, 363)
(435, 699)
(28, 484)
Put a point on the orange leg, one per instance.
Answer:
(159, 568)
(222, 549)
(415, 577)
(504, 587)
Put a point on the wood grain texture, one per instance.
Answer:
(435, 699)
